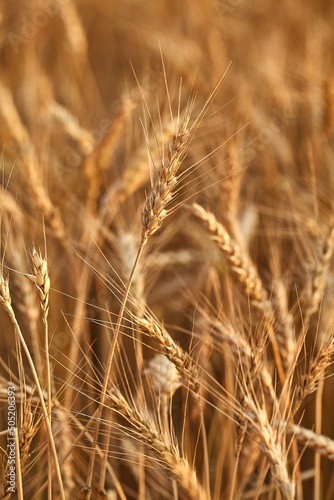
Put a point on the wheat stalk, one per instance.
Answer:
(163, 181)
(28, 158)
(5, 302)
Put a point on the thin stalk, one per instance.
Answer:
(318, 430)
(108, 371)
(18, 467)
(49, 400)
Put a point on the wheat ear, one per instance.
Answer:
(242, 266)
(271, 443)
(94, 163)
(166, 450)
(172, 350)
(163, 181)
(29, 160)
(318, 280)
(320, 443)
(319, 364)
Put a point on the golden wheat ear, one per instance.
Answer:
(164, 179)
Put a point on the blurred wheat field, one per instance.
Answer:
(167, 239)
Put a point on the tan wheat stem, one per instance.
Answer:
(94, 163)
(127, 249)
(28, 159)
(318, 428)
(106, 379)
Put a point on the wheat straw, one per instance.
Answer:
(5, 302)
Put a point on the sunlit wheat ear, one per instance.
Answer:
(136, 174)
(41, 280)
(164, 179)
(240, 263)
(247, 275)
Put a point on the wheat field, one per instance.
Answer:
(166, 245)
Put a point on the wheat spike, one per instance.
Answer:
(164, 179)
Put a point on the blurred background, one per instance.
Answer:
(82, 94)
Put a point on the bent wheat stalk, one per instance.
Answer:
(42, 283)
(164, 179)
